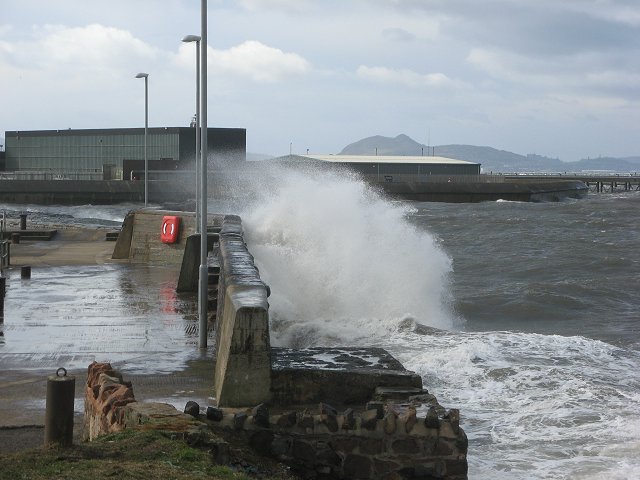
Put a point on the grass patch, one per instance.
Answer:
(127, 455)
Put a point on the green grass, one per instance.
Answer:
(128, 455)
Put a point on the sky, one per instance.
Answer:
(550, 77)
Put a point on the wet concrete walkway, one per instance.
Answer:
(79, 307)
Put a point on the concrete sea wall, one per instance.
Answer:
(243, 361)
(344, 412)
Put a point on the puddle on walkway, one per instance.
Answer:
(124, 314)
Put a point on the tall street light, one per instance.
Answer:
(204, 276)
(146, 128)
(187, 39)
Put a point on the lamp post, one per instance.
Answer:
(188, 39)
(203, 277)
(146, 128)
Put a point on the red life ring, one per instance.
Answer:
(170, 229)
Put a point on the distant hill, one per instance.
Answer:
(492, 159)
(400, 145)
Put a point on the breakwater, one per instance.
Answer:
(461, 190)
(458, 189)
(597, 183)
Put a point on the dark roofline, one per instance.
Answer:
(104, 131)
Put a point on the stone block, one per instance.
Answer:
(454, 417)
(369, 419)
(326, 409)
(357, 467)
(281, 445)
(377, 406)
(429, 470)
(421, 430)
(456, 468)
(220, 453)
(307, 422)
(431, 420)
(383, 468)
(462, 442)
(409, 419)
(330, 421)
(348, 420)
(325, 455)
(371, 446)
(444, 447)
(239, 420)
(405, 446)
(260, 416)
(446, 430)
(157, 416)
(344, 444)
(214, 414)
(304, 451)
(192, 408)
(287, 420)
(390, 422)
(261, 441)
(428, 444)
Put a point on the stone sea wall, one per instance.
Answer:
(385, 440)
(382, 442)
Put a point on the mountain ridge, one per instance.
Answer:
(491, 159)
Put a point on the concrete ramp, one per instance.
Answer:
(139, 240)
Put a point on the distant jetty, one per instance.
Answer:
(479, 189)
(175, 190)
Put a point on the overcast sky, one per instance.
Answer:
(554, 77)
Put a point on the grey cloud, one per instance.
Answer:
(534, 27)
(398, 35)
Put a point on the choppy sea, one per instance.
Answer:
(525, 316)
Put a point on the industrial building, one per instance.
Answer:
(387, 168)
(114, 154)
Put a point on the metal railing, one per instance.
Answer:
(89, 174)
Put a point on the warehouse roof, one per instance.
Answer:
(379, 159)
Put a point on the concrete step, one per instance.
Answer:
(395, 393)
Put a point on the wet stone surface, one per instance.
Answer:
(334, 358)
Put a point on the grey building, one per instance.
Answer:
(110, 154)
(388, 168)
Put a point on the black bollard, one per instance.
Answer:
(25, 272)
(23, 221)
(58, 417)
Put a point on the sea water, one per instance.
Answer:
(524, 316)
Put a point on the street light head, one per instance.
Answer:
(191, 38)
(142, 75)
